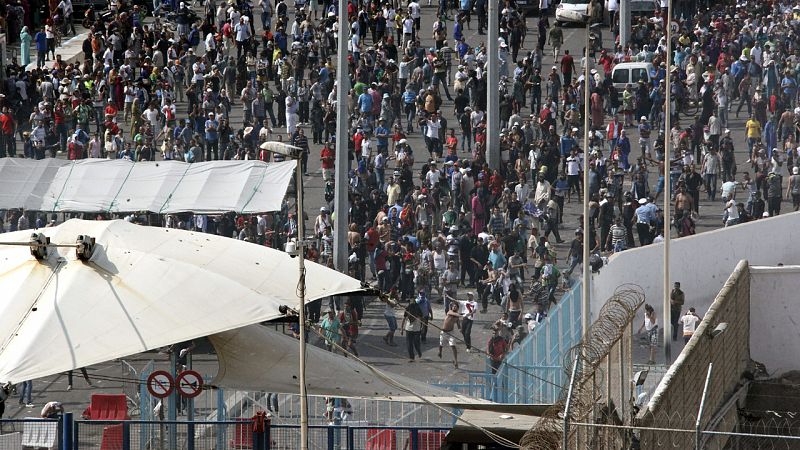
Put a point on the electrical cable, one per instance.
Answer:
(377, 372)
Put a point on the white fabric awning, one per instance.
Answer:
(143, 288)
(100, 185)
(257, 358)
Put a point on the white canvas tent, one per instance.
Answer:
(100, 185)
(145, 287)
(242, 353)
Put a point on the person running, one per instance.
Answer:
(450, 322)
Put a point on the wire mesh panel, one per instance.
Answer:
(18, 433)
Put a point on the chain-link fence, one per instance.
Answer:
(31, 432)
(673, 430)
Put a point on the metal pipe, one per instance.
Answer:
(301, 232)
(569, 400)
(697, 425)
(35, 244)
(622, 371)
(493, 155)
(340, 200)
(585, 303)
(667, 188)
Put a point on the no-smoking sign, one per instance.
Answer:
(160, 384)
(189, 383)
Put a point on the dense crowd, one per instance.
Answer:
(427, 220)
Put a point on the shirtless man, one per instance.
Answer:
(450, 323)
(683, 200)
(514, 305)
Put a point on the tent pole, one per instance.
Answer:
(301, 310)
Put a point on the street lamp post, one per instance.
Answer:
(667, 188)
(342, 140)
(585, 291)
(298, 249)
(493, 155)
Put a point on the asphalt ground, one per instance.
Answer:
(371, 345)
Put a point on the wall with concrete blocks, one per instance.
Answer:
(701, 263)
(775, 317)
(676, 401)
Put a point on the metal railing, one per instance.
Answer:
(532, 372)
(240, 434)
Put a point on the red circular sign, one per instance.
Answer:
(160, 384)
(189, 383)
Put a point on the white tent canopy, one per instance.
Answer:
(242, 354)
(100, 185)
(143, 288)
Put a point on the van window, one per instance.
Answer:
(640, 74)
(621, 76)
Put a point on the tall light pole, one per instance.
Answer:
(340, 199)
(493, 157)
(298, 250)
(585, 291)
(667, 187)
(624, 18)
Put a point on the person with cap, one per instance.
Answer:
(645, 217)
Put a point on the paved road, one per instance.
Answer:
(371, 345)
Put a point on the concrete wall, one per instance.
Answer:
(701, 263)
(775, 317)
(676, 401)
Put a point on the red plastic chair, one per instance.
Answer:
(381, 439)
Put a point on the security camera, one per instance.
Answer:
(38, 246)
(291, 248)
(719, 329)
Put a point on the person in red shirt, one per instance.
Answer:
(111, 111)
(451, 143)
(496, 348)
(567, 68)
(328, 158)
(7, 126)
(358, 138)
(372, 238)
(496, 184)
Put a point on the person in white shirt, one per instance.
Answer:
(468, 309)
(731, 212)
(689, 321)
(432, 135)
(574, 168)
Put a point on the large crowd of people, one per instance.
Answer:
(427, 215)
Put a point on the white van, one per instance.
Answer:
(630, 73)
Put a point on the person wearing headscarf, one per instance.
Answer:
(25, 47)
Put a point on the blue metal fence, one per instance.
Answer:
(69, 434)
(532, 372)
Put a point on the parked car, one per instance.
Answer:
(643, 8)
(572, 11)
(630, 73)
(526, 7)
